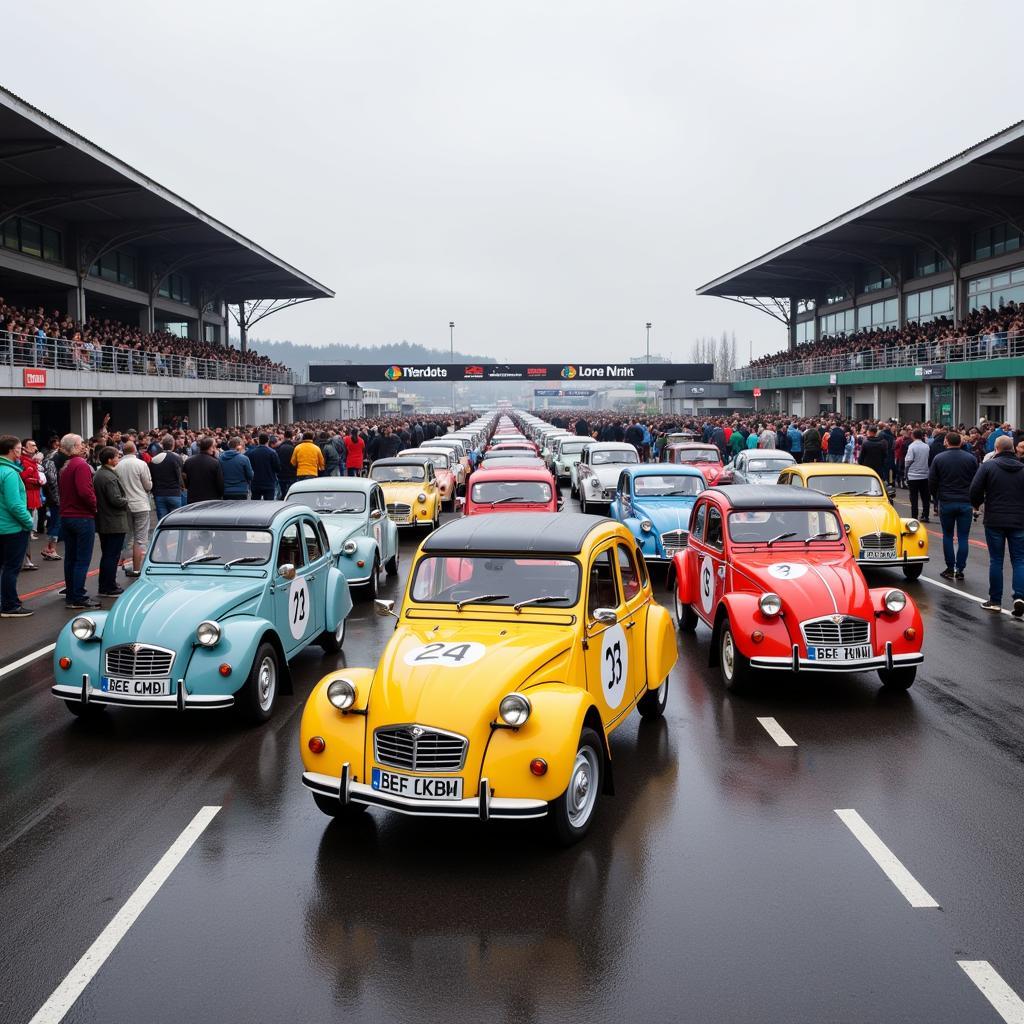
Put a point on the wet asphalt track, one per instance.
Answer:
(718, 884)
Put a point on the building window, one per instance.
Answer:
(997, 290)
(32, 239)
(876, 279)
(877, 315)
(118, 267)
(805, 331)
(176, 287)
(929, 305)
(805, 306)
(837, 323)
(929, 261)
(836, 296)
(995, 241)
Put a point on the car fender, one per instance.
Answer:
(660, 645)
(891, 628)
(366, 550)
(339, 598)
(646, 542)
(552, 732)
(746, 616)
(683, 575)
(913, 545)
(84, 654)
(344, 733)
(240, 638)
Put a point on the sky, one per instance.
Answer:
(551, 176)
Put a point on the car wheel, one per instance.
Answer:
(913, 572)
(391, 565)
(653, 703)
(334, 808)
(685, 615)
(87, 712)
(735, 667)
(259, 695)
(368, 591)
(571, 814)
(332, 643)
(901, 678)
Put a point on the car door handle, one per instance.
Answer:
(311, 578)
(630, 625)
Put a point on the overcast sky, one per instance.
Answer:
(549, 175)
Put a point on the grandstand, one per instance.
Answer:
(911, 305)
(115, 294)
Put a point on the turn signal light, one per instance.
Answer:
(910, 632)
(757, 636)
(225, 669)
(65, 662)
(317, 744)
(539, 766)
(920, 543)
(361, 562)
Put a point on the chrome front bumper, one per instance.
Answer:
(182, 700)
(795, 663)
(896, 560)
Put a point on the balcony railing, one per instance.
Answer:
(28, 350)
(978, 347)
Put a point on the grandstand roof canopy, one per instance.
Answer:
(45, 166)
(985, 182)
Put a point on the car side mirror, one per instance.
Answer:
(287, 571)
(384, 608)
(606, 616)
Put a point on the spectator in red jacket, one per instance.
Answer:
(78, 520)
(355, 453)
(33, 491)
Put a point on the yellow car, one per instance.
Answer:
(522, 643)
(877, 532)
(410, 491)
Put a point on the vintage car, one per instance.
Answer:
(461, 449)
(705, 457)
(501, 489)
(674, 437)
(760, 465)
(230, 591)
(655, 501)
(458, 470)
(879, 534)
(522, 643)
(412, 496)
(770, 570)
(597, 471)
(566, 452)
(363, 539)
(444, 476)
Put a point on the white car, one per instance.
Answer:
(597, 472)
(567, 452)
(760, 465)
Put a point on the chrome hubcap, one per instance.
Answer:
(266, 683)
(582, 792)
(728, 654)
(339, 633)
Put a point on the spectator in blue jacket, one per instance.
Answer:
(796, 441)
(237, 471)
(266, 467)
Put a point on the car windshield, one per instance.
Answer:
(506, 453)
(846, 484)
(439, 460)
(210, 547)
(501, 579)
(760, 526)
(613, 457)
(573, 447)
(397, 474)
(698, 455)
(510, 492)
(329, 502)
(768, 465)
(656, 486)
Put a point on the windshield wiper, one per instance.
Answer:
(501, 501)
(545, 599)
(781, 536)
(848, 494)
(195, 559)
(243, 560)
(475, 600)
(820, 536)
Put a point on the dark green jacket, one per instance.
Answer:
(111, 502)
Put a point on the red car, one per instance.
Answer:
(705, 457)
(771, 571)
(511, 490)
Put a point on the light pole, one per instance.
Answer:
(451, 339)
(647, 399)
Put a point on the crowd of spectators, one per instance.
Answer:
(983, 332)
(36, 337)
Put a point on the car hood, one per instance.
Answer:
(809, 587)
(341, 527)
(666, 514)
(462, 698)
(770, 476)
(405, 492)
(711, 471)
(869, 515)
(166, 609)
(608, 475)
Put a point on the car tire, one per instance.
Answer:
(913, 572)
(369, 590)
(334, 808)
(735, 668)
(653, 703)
(391, 565)
(259, 695)
(685, 615)
(901, 678)
(332, 643)
(87, 712)
(583, 504)
(571, 814)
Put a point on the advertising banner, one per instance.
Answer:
(416, 373)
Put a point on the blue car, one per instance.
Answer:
(655, 502)
(363, 538)
(230, 592)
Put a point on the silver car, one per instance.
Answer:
(760, 465)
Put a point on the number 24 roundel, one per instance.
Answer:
(444, 655)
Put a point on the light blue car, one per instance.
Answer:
(230, 591)
(655, 501)
(363, 538)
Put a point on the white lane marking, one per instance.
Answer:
(22, 662)
(962, 593)
(777, 733)
(909, 886)
(64, 996)
(1004, 1000)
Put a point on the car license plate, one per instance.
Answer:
(136, 687)
(858, 653)
(877, 554)
(419, 787)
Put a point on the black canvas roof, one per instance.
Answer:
(532, 532)
(773, 496)
(256, 515)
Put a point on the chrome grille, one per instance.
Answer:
(673, 541)
(416, 749)
(878, 542)
(399, 512)
(847, 632)
(139, 661)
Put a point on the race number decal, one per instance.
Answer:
(707, 585)
(787, 570)
(614, 665)
(441, 655)
(298, 607)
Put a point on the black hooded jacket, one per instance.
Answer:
(999, 485)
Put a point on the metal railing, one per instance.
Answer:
(33, 351)
(993, 345)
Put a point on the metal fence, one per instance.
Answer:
(29, 350)
(996, 345)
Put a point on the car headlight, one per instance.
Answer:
(770, 604)
(349, 547)
(208, 633)
(846, 527)
(895, 601)
(913, 526)
(421, 497)
(646, 525)
(342, 694)
(594, 482)
(83, 628)
(514, 710)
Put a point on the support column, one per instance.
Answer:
(148, 414)
(792, 324)
(76, 303)
(1012, 413)
(197, 413)
(81, 417)
(147, 317)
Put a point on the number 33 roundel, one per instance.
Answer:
(614, 665)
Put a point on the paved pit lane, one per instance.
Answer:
(719, 884)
